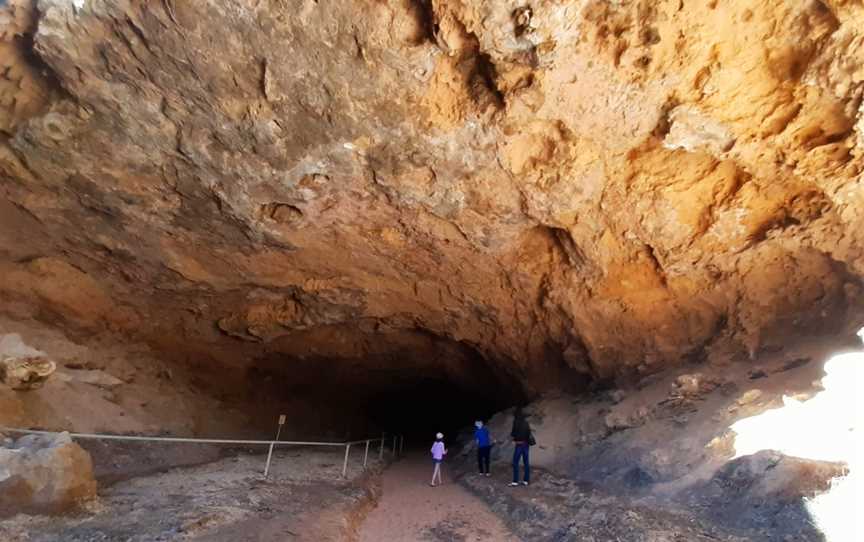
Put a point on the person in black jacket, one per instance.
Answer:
(521, 435)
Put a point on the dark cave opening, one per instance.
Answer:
(414, 393)
(423, 408)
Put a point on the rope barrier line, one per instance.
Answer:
(175, 439)
(271, 443)
(167, 439)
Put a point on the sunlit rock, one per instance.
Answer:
(26, 373)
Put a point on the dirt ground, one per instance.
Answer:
(555, 509)
(473, 508)
(410, 510)
(304, 499)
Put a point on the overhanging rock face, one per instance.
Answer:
(590, 187)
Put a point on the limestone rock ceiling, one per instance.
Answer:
(588, 186)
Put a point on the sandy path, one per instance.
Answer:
(411, 511)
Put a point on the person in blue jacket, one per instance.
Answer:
(484, 447)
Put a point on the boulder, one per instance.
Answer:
(26, 373)
(44, 474)
(750, 396)
(94, 377)
(768, 490)
(626, 417)
(694, 385)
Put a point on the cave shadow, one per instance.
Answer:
(432, 405)
(440, 386)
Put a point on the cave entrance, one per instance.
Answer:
(420, 409)
(429, 385)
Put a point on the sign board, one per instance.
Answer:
(282, 419)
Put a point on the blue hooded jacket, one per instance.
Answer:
(481, 435)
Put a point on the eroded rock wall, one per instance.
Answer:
(757, 452)
(590, 187)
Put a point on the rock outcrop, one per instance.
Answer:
(25, 373)
(555, 191)
(733, 449)
(23, 367)
(44, 473)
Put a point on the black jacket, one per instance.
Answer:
(521, 430)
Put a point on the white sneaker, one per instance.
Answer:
(514, 484)
(487, 474)
(524, 483)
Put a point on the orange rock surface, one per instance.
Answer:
(562, 189)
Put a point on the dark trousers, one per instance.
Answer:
(521, 452)
(483, 458)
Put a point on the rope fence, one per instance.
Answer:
(398, 443)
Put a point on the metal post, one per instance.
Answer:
(272, 444)
(381, 449)
(401, 443)
(366, 454)
(269, 456)
(345, 463)
(394, 445)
